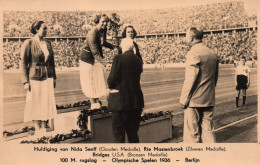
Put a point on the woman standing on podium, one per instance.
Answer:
(92, 61)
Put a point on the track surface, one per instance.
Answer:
(161, 92)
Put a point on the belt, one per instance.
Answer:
(41, 64)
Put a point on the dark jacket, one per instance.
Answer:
(93, 48)
(137, 51)
(33, 64)
(125, 76)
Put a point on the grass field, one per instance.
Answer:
(161, 92)
(225, 114)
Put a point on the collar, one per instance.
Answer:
(196, 42)
(37, 39)
(129, 52)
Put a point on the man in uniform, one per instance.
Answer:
(242, 79)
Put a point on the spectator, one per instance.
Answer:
(155, 50)
(64, 23)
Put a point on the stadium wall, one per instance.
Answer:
(79, 38)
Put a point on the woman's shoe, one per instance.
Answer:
(40, 133)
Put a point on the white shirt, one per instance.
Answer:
(43, 47)
(242, 70)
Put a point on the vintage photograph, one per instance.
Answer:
(171, 72)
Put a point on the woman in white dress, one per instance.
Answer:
(92, 62)
(39, 78)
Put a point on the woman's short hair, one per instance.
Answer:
(97, 18)
(124, 31)
(36, 26)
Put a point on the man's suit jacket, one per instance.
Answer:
(33, 64)
(200, 78)
(93, 46)
(125, 76)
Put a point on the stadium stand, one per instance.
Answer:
(160, 32)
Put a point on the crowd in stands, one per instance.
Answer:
(154, 50)
(162, 50)
(230, 46)
(171, 20)
(211, 16)
(67, 53)
(61, 23)
(11, 56)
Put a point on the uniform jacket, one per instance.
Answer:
(125, 76)
(93, 47)
(200, 78)
(33, 64)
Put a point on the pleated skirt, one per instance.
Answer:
(92, 79)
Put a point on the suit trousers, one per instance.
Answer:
(198, 125)
(126, 122)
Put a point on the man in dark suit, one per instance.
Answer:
(124, 83)
(198, 92)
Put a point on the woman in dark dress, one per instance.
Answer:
(130, 32)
